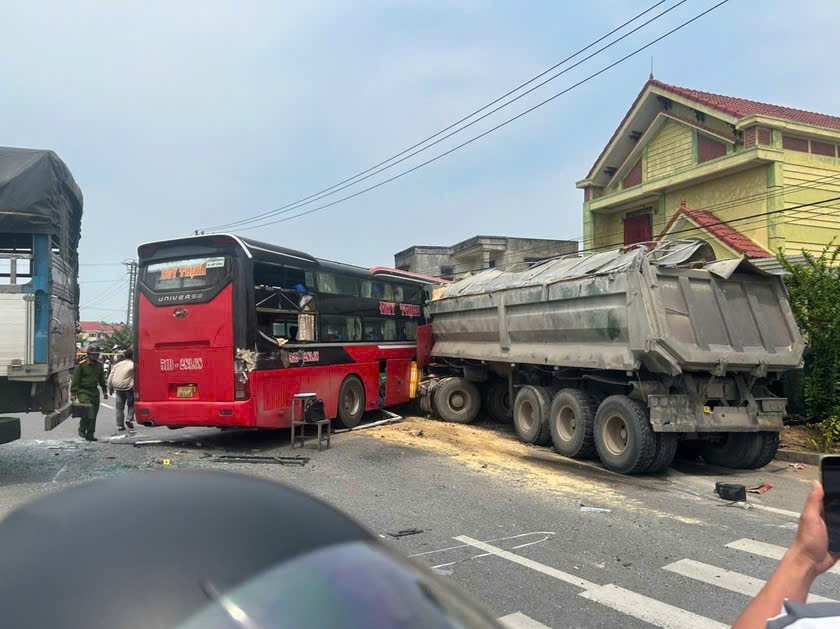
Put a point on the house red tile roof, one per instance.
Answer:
(742, 107)
(720, 230)
(97, 326)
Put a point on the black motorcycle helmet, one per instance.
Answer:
(197, 549)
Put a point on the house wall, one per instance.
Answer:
(671, 151)
(810, 228)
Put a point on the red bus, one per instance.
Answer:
(229, 329)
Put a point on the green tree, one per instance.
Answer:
(814, 288)
(122, 338)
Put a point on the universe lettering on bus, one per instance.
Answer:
(188, 272)
(182, 364)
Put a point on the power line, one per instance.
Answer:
(378, 168)
(108, 293)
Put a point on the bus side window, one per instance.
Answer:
(336, 284)
(377, 290)
(406, 330)
(335, 328)
(398, 293)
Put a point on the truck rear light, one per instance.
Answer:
(241, 390)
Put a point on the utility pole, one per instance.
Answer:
(131, 266)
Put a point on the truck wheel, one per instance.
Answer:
(497, 401)
(666, 450)
(457, 400)
(761, 449)
(624, 438)
(530, 415)
(572, 424)
(690, 449)
(351, 402)
(732, 451)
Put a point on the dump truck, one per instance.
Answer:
(624, 355)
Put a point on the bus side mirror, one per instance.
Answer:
(306, 327)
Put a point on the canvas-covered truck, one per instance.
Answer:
(40, 226)
(623, 355)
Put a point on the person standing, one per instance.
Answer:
(88, 378)
(121, 386)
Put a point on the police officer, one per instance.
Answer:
(88, 375)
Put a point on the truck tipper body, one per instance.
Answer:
(622, 354)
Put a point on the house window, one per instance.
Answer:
(634, 176)
(822, 148)
(794, 144)
(491, 264)
(708, 149)
(638, 228)
(765, 137)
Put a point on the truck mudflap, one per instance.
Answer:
(678, 413)
(9, 429)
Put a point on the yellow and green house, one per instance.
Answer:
(750, 177)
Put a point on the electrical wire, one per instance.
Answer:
(381, 167)
(495, 128)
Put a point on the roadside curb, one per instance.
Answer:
(796, 456)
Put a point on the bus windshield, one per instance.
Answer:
(190, 273)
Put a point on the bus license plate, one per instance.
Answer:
(186, 391)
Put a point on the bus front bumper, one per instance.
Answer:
(196, 413)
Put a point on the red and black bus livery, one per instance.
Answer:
(229, 329)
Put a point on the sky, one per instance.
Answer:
(176, 116)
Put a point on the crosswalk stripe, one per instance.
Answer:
(726, 579)
(518, 620)
(648, 609)
(763, 549)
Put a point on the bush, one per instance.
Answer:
(827, 432)
(814, 288)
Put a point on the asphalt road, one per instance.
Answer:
(507, 524)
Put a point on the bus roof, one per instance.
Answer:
(265, 252)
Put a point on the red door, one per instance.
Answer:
(637, 229)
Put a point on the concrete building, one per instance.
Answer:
(479, 253)
(749, 177)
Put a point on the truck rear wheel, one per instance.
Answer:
(572, 424)
(530, 415)
(733, 450)
(351, 402)
(761, 450)
(666, 450)
(457, 400)
(624, 438)
(497, 401)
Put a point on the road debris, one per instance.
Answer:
(584, 509)
(148, 442)
(728, 491)
(760, 489)
(797, 466)
(250, 458)
(390, 418)
(405, 532)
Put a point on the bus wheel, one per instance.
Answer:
(572, 424)
(457, 400)
(624, 437)
(530, 415)
(351, 402)
(497, 401)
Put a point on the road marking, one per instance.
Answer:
(726, 579)
(790, 514)
(762, 549)
(547, 534)
(107, 406)
(518, 620)
(529, 563)
(648, 609)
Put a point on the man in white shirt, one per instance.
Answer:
(121, 385)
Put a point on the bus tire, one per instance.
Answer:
(732, 451)
(457, 400)
(761, 450)
(497, 403)
(351, 402)
(572, 424)
(666, 450)
(624, 438)
(530, 415)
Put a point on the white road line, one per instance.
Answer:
(518, 620)
(529, 563)
(790, 514)
(107, 406)
(648, 609)
(547, 534)
(726, 579)
(764, 549)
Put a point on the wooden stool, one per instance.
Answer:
(298, 402)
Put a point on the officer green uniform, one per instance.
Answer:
(88, 375)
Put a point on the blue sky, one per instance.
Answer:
(178, 115)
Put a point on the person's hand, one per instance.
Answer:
(811, 543)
